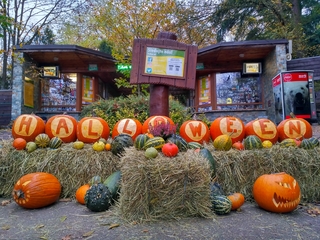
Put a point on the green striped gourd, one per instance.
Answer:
(55, 142)
(42, 140)
(252, 142)
(207, 155)
(289, 142)
(221, 204)
(140, 141)
(120, 142)
(314, 141)
(194, 145)
(223, 142)
(307, 144)
(179, 141)
(156, 142)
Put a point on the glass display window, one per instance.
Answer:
(59, 94)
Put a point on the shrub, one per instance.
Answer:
(133, 106)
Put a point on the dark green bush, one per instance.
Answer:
(133, 106)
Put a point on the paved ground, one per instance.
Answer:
(70, 220)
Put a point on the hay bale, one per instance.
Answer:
(72, 167)
(238, 170)
(164, 188)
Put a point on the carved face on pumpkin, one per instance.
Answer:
(278, 192)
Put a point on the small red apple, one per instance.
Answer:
(170, 149)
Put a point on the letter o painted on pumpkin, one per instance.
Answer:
(195, 131)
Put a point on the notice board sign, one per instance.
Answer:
(164, 61)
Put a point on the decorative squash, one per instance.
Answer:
(314, 141)
(238, 146)
(252, 142)
(130, 126)
(91, 129)
(237, 200)
(289, 142)
(120, 142)
(263, 128)
(306, 143)
(98, 198)
(195, 131)
(267, 144)
(277, 192)
(215, 189)
(151, 152)
(179, 141)
(31, 146)
(231, 126)
(27, 126)
(42, 140)
(156, 142)
(140, 141)
(36, 190)
(113, 183)
(170, 149)
(296, 128)
(195, 145)
(81, 192)
(62, 126)
(204, 152)
(98, 146)
(107, 146)
(221, 204)
(222, 142)
(19, 143)
(78, 145)
(55, 142)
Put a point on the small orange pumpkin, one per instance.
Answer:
(62, 126)
(195, 131)
(36, 190)
(237, 200)
(238, 146)
(107, 146)
(81, 192)
(27, 126)
(19, 143)
(277, 192)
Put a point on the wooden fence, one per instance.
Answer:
(5, 107)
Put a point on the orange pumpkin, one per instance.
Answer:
(27, 126)
(195, 131)
(107, 146)
(36, 190)
(278, 192)
(62, 126)
(81, 192)
(228, 125)
(294, 128)
(19, 143)
(237, 200)
(154, 121)
(91, 129)
(130, 126)
(238, 146)
(263, 128)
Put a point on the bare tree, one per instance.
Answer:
(28, 18)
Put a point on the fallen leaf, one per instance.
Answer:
(63, 218)
(114, 225)
(88, 234)
(68, 237)
(5, 202)
(65, 200)
(145, 230)
(40, 226)
(5, 227)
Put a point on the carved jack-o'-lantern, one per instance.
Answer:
(27, 126)
(91, 129)
(62, 126)
(228, 125)
(263, 128)
(195, 131)
(278, 192)
(154, 121)
(130, 126)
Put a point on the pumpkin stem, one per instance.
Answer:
(19, 193)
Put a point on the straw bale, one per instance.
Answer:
(164, 188)
(72, 167)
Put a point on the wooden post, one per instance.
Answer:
(159, 94)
